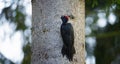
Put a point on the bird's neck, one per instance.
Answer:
(64, 23)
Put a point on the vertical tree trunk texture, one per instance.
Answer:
(46, 38)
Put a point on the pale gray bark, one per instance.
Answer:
(46, 38)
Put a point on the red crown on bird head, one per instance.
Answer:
(67, 17)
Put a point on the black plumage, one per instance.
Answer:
(67, 34)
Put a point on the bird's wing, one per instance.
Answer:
(71, 30)
(67, 34)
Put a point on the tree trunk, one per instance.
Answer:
(46, 38)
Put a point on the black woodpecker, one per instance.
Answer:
(67, 34)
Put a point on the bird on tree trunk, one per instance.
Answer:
(67, 34)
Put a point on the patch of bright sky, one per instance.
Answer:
(28, 7)
(89, 20)
(102, 22)
(111, 18)
(90, 60)
(2, 5)
(87, 30)
(27, 33)
(101, 14)
(113, 6)
(11, 41)
(91, 41)
(28, 22)
(14, 5)
(8, 3)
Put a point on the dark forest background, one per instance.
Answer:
(102, 31)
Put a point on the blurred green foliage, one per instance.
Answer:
(17, 16)
(27, 54)
(101, 3)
